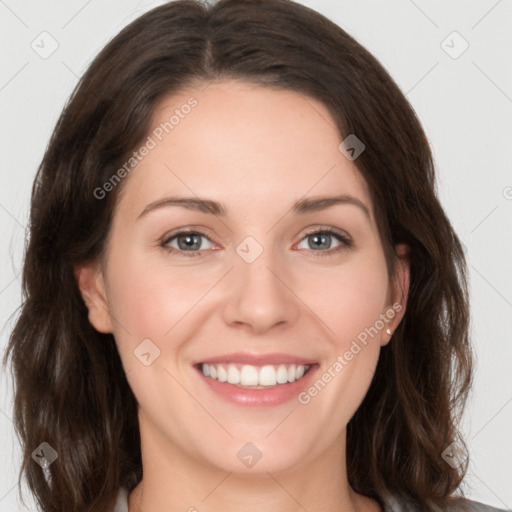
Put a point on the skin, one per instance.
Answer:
(257, 151)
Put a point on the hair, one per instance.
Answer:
(71, 389)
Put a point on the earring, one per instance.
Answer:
(388, 331)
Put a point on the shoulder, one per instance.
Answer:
(122, 501)
(458, 504)
(390, 505)
(474, 506)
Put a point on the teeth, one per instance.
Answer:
(233, 375)
(249, 375)
(222, 374)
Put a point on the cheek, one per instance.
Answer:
(349, 299)
(150, 296)
(350, 303)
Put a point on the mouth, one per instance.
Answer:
(248, 376)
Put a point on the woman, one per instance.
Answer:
(241, 288)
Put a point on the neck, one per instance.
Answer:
(176, 480)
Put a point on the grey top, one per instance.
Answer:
(390, 505)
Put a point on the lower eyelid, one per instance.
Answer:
(345, 242)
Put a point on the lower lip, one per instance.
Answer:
(268, 397)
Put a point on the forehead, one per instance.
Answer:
(244, 145)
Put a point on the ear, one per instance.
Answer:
(399, 291)
(91, 283)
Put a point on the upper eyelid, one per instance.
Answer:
(320, 229)
(167, 238)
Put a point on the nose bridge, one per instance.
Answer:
(258, 293)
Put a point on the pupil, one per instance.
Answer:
(324, 238)
(191, 241)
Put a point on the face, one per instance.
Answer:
(258, 274)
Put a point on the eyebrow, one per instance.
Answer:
(302, 206)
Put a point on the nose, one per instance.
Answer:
(260, 295)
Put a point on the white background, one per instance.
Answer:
(464, 103)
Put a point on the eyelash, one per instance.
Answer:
(345, 242)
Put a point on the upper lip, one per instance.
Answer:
(256, 359)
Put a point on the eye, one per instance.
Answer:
(187, 242)
(322, 239)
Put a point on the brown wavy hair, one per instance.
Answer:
(71, 390)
